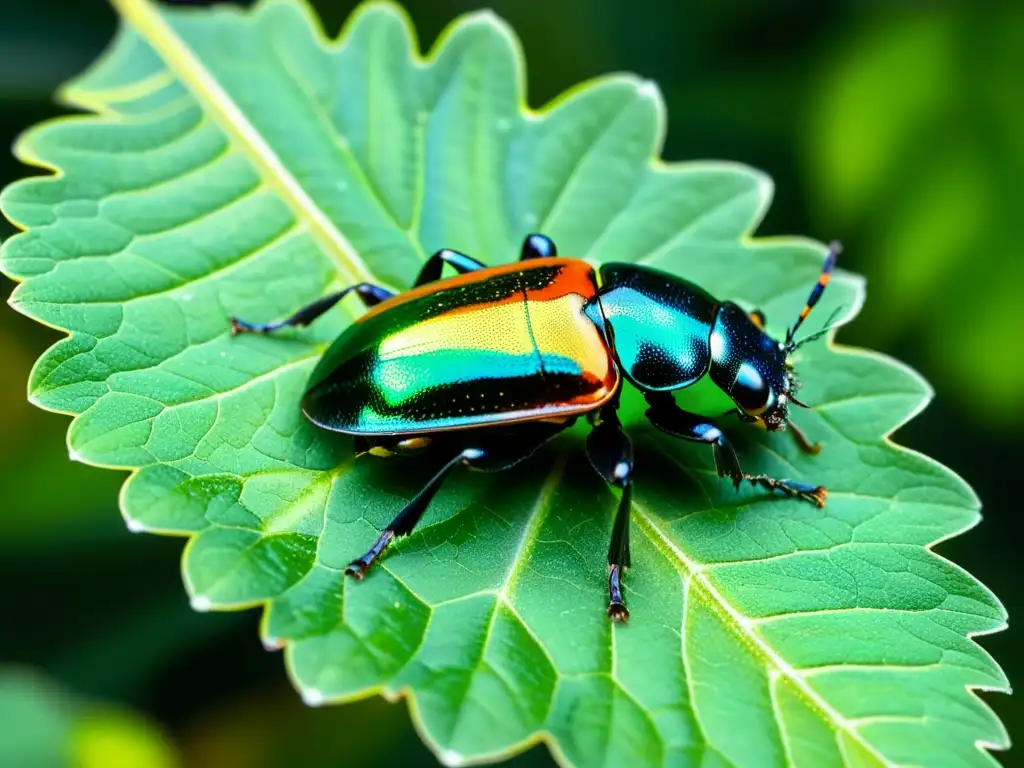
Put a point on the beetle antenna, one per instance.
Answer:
(834, 249)
(794, 401)
(829, 325)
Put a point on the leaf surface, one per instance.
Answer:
(243, 164)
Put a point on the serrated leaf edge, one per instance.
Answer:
(144, 15)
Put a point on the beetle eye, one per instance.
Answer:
(750, 390)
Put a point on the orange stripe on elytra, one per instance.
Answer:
(823, 280)
(576, 272)
(576, 276)
(804, 313)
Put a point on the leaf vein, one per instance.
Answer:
(183, 62)
(744, 626)
(343, 147)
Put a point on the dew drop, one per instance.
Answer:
(201, 603)
(649, 90)
(312, 697)
(272, 643)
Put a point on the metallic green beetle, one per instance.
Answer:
(484, 367)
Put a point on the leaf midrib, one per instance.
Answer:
(692, 571)
(186, 66)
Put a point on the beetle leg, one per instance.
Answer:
(409, 515)
(538, 246)
(460, 262)
(611, 454)
(370, 294)
(491, 451)
(667, 416)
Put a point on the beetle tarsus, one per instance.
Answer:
(617, 610)
(357, 568)
(240, 326)
(818, 496)
(726, 463)
(668, 417)
(611, 454)
(812, 493)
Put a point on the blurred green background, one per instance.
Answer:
(898, 128)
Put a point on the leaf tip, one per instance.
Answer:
(72, 453)
(312, 697)
(201, 603)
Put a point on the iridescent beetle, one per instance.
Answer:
(484, 367)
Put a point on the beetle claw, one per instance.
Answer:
(818, 496)
(618, 612)
(357, 570)
(240, 326)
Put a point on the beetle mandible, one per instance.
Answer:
(484, 367)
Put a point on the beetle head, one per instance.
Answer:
(751, 367)
(754, 369)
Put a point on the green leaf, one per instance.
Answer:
(241, 163)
